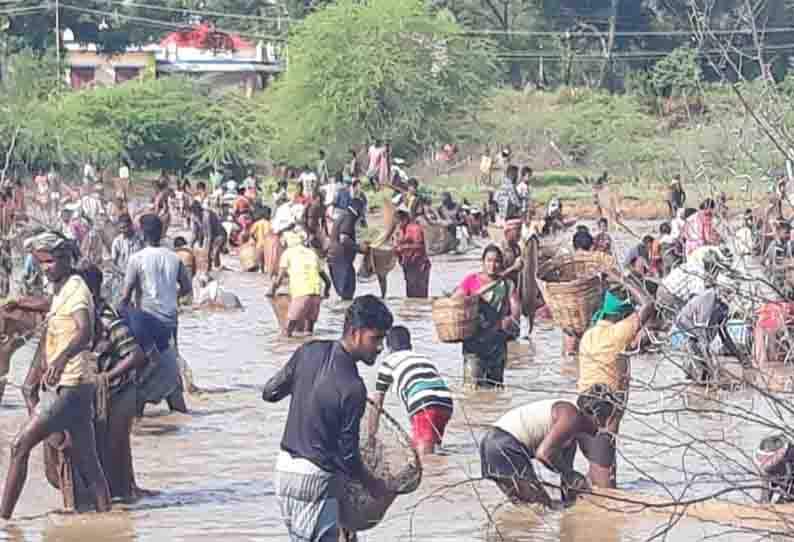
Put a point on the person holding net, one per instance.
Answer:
(321, 436)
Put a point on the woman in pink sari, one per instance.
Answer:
(700, 229)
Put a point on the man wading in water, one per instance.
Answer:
(159, 278)
(67, 394)
(321, 437)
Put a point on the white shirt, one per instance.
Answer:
(89, 173)
(283, 218)
(530, 423)
(91, 207)
(124, 172)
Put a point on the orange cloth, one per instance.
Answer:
(242, 205)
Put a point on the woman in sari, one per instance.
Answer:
(343, 249)
(412, 252)
(485, 354)
(700, 229)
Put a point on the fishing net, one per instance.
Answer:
(389, 456)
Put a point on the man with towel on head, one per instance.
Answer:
(602, 361)
(67, 390)
(159, 278)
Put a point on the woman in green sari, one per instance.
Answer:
(485, 354)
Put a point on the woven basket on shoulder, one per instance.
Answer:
(573, 289)
(456, 318)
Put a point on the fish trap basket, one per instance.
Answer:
(436, 238)
(456, 318)
(377, 262)
(248, 257)
(573, 290)
(389, 456)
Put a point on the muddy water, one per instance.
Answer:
(214, 468)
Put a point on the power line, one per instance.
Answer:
(650, 33)
(638, 55)
(200, 12)
(165, 24)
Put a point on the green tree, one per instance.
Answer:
(380, 69)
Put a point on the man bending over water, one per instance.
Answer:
(546, 431)
(321, 437)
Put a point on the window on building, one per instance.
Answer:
(82, 77)
(125, 74)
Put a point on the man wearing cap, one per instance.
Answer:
(412, 252)
(602, 361)
(159, 278)
(66, 401)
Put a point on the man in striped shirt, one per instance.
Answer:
(421, 389)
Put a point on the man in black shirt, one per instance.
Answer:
(208, 233)
(321, 437)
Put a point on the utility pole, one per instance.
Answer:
(58, 36)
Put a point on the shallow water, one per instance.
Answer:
(214, 467)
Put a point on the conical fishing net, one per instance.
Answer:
(389, 456)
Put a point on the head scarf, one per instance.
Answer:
(47, 241)
(612, 306)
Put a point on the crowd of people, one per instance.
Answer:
(107, 352)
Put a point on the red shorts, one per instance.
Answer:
(428, 425)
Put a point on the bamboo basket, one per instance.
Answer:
(436, 238)
(248, 259)
(202, 258)
(456, 318)
(573, 289)
(496, 234)
(382, 260)
(378, 262)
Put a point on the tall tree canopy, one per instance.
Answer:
(377, 69)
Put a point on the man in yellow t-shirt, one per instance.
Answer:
(67, 388)
(602, 361)
(303, 267)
